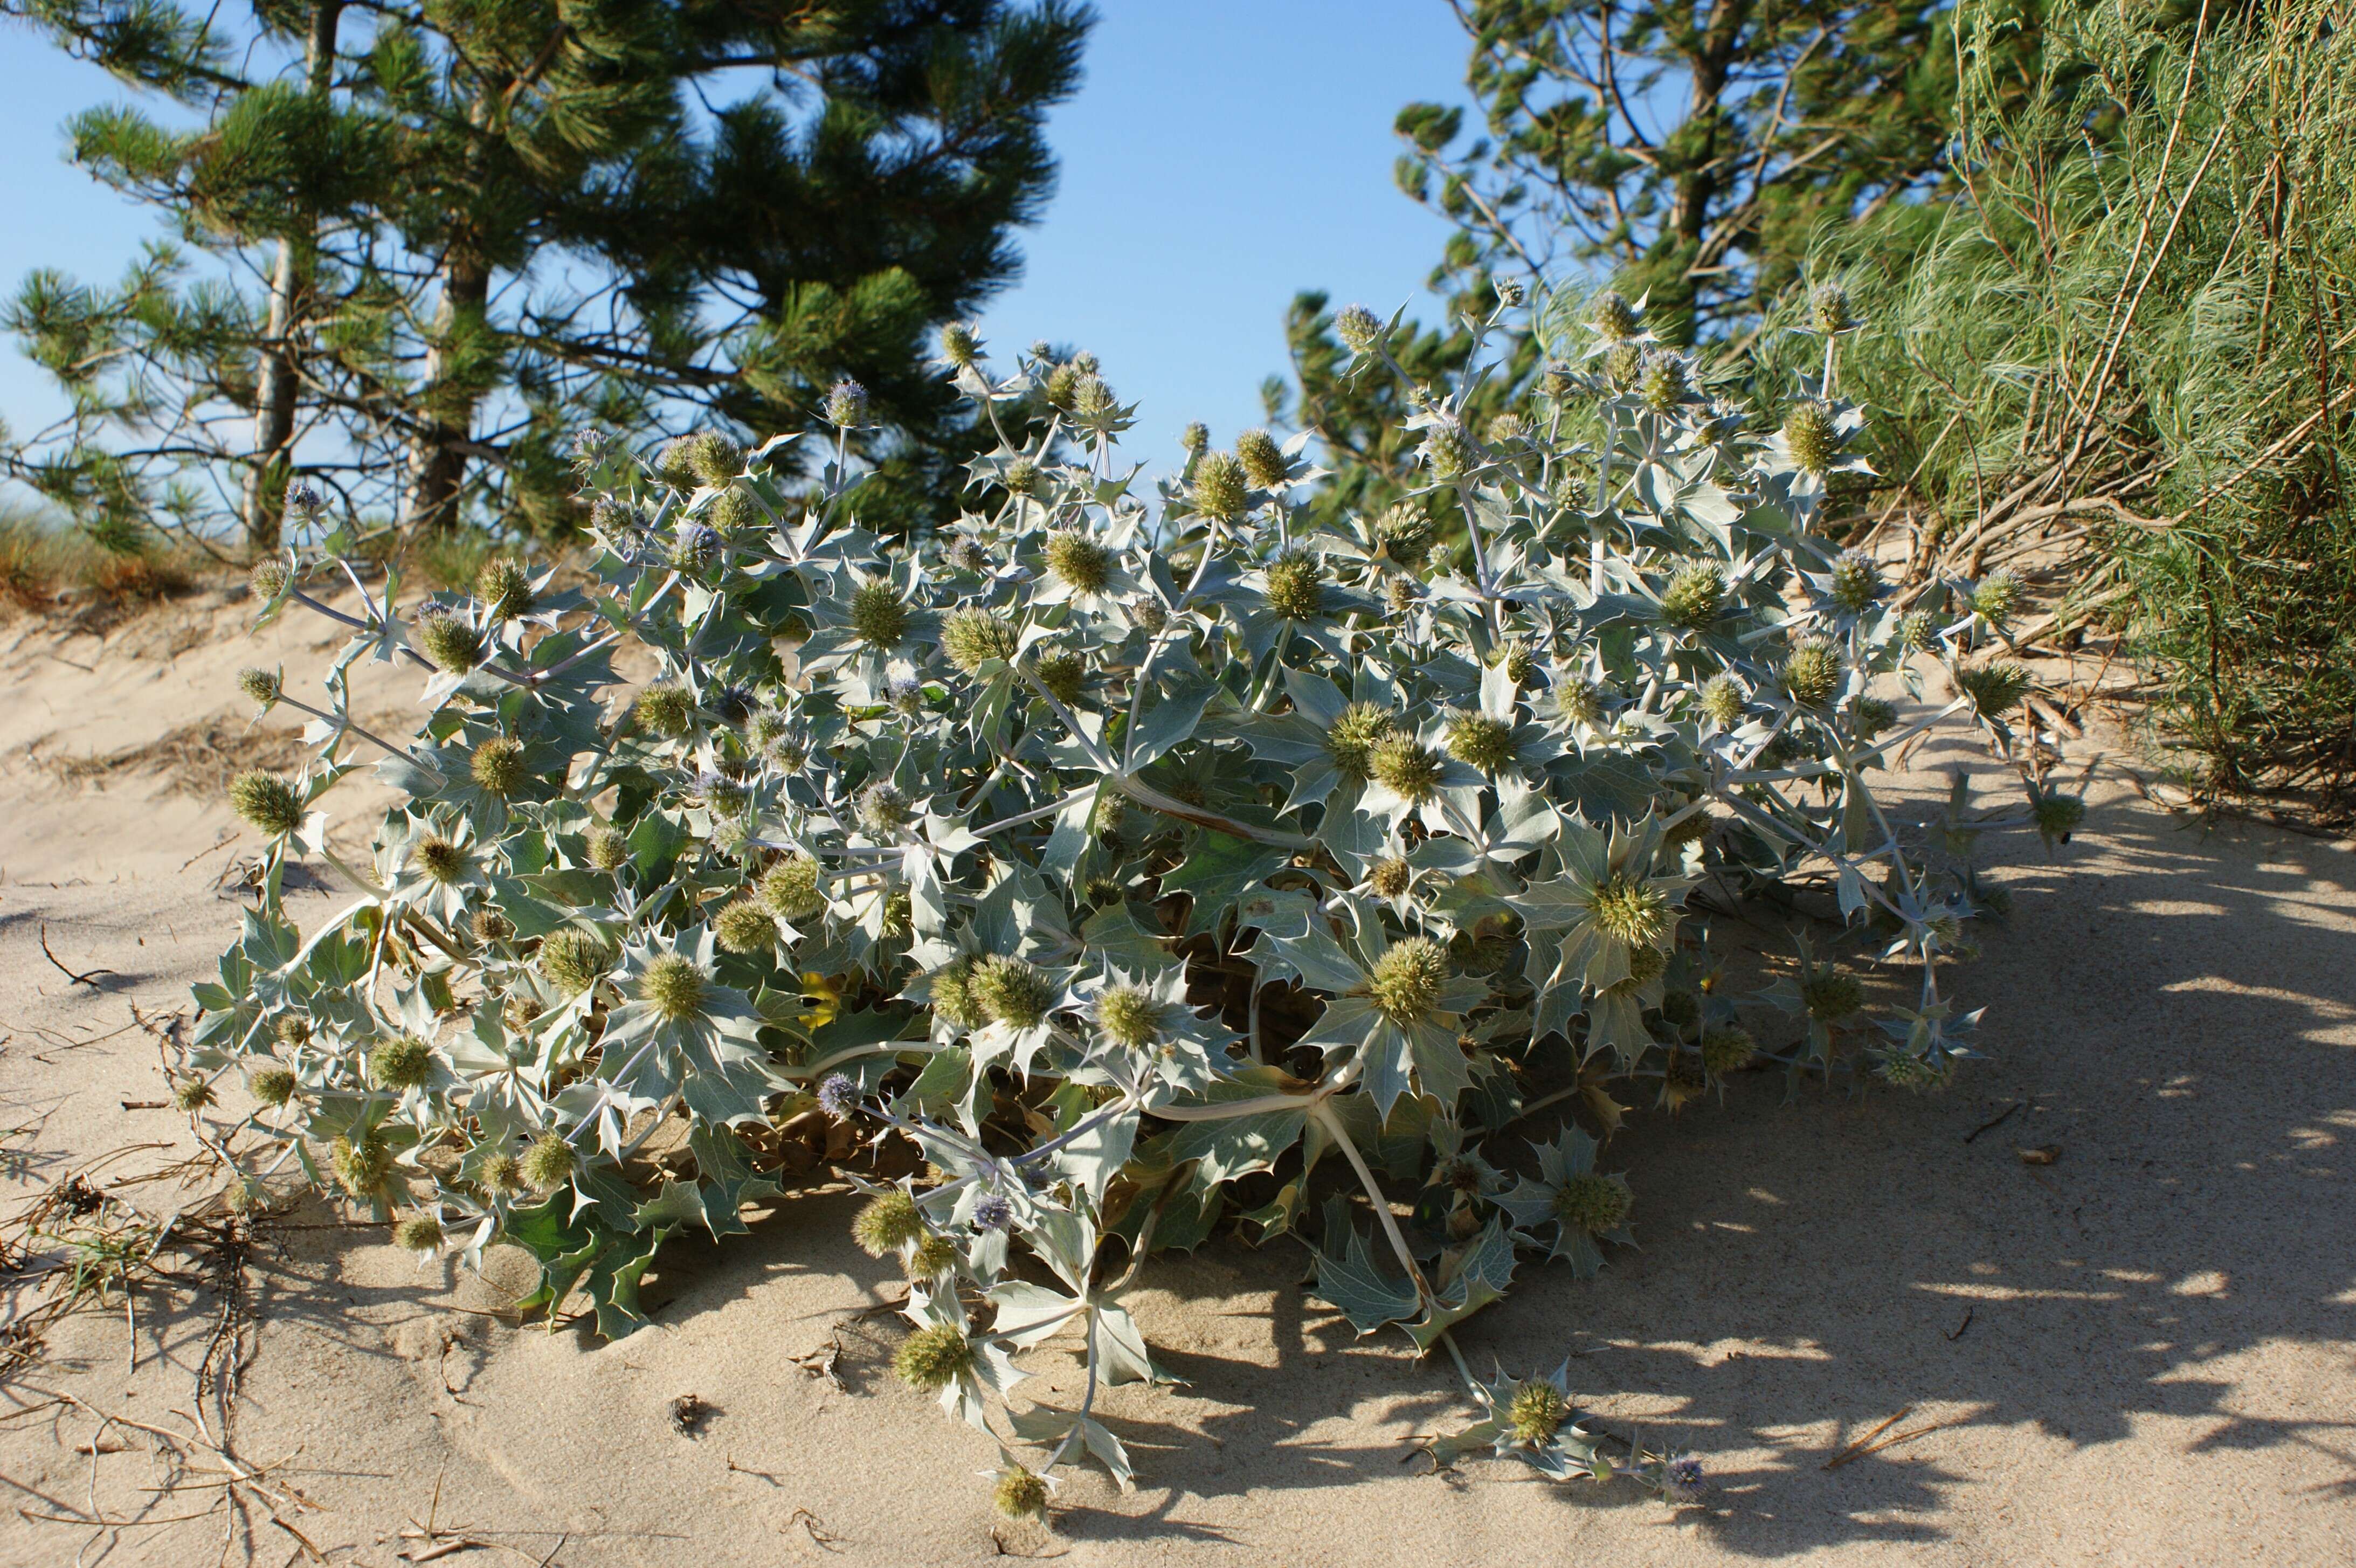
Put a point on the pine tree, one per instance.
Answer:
(483, 225)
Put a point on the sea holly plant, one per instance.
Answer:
(1112, 867)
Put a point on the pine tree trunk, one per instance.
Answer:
(290, 283)
(438, 456)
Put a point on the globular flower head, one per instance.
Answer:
(192, 1094)
(1194, 439)
(442, 860)
(1630, 911)
(360, 1168)
(262, 687)
(961, 344)
(1727, 1049)
(1581, 700)
(272, 1085)
(1829, 310)
(505, 586)
(1538, 1409)
(706, 458)
(883, 809)
(404, 1061)
(1722, 701)
(1022, 476)
(1615, 320)
(500, 1174)
(1624, 364)
(498, 766)
(1263, 460)
(607, 848)
(673, 985)
(1409, 768)
(790, 888)
(1593, 1203)
(693, 545)
(1450, 451)
(1830, 996)
(1390, 878)
(973, 636)
(735, 512)
(932, 1358)
(1873, 716)
(418, 1233)
(887, 1223)
(449, 642)
(291, 1029)
(1093, 402)
(837, 1096)
(743, 926)
(572, 960)
(1481, 743)
(1078, 561)
(1809, 430)
(2059, 816)
(1219, 489)
(1296, 585)
(1693, 597)
(1995, 598)
(1011, 990)
(550, 1162)
(932, 1258)
(1993, 689)
(1130, 1017)
(1405, 533)
(1857, 581)
(267, 577)
(1021, 1495)
(1399, 596)
(1063, 672)
(953, 996)
(1812, 672)
(1664, 381)
(1509, 290)
(1408, 980)
(1064, 384)
(1916, 630)
(992, 1212)
(1353, 737)
(1359, 329)
(879, 614)
(666, 711)
(267, 802)
(1517, 661)
(846, 404)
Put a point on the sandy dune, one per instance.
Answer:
(2140, 1353)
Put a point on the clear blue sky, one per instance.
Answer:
(1222, 154)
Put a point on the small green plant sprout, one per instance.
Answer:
(1145, 860)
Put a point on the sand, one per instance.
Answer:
(2140, 1353)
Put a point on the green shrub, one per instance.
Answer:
(1290, 891)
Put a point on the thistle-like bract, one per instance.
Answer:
(1407, 980)
(1130, 1017)
(1407, 767)
(498, 765)
(888, 1222)
(1011, 990)
(1591, 1203)
(449, 642)
(933, 1358)
(1481, 743)
(1078, 560)
(1694, 597)
(1812, 672)
(267, 802)
(572, 960)
(1219, 487)
(1296, 585)
(1263, 460)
